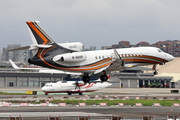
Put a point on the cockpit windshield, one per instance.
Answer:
(48, 85)
(159, 50)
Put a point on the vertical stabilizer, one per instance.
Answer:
(38, 36)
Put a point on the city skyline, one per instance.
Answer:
(92, 22)
(170, 46)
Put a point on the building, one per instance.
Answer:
(170, 46)
(140, 80)
(132, 78)
(27, 79)
(106, 47)
(142, 43)
(16, 56)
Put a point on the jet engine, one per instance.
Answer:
(70, 57)
(75, 46)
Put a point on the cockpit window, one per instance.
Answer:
(159, 50)
(48, 85)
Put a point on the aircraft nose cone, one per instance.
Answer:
(170, 57)
(43, 89)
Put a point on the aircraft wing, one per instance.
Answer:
(43, 70)
(118, 63)
(16, 67)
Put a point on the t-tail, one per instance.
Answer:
(43, 47)
(41, 40)
(38, 36)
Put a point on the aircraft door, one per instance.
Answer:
(11, 84)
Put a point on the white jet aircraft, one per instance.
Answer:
(70, 58)
(74, 87)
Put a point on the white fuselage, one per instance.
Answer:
(93, 60)
(68, 57)
(69, 86)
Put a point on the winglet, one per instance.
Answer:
(116, 54)
(13, 64)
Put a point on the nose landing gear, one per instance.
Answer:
(155, 70)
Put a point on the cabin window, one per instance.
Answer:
(96, 57)
(99, 57)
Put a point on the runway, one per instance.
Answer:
(129, 112)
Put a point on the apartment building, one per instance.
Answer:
(170, 46)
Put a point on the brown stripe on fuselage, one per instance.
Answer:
(141, 60)
(154, 58)
(100, 62)
(41, 56)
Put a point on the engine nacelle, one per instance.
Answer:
(70, 57)
(75, 46)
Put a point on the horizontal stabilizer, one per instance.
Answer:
(20, 48)
(33, 46)
(43, 46)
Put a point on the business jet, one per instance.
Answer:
(74, 87)
(71, 58)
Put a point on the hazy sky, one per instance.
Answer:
(92, 22)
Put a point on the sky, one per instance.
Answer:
(92, 22)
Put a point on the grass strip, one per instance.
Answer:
(5, 93)
(131, 102)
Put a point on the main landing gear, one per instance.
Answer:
(80, 93)
(86, 78)
(104, 77)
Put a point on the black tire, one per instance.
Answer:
(69, 93)
(155, 72)
(104, 78)
(86, 79)
(46, 93)
(80, 93)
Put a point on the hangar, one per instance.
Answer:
(168, 77)
(124, 79)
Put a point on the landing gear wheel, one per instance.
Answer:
(104, 78)
(46, 93)
(155, 72)
(69, 93)
(86, 79)
(80, 93)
